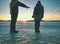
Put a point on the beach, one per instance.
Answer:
(49, 33)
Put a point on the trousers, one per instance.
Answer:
(13, 22)
(37, 25)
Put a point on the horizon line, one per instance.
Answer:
(30, 20)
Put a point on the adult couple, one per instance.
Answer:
(37, 14)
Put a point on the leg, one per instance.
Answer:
(37, 25)
(13, 22)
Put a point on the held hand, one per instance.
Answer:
(32, 16)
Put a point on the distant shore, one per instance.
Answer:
(32, 21)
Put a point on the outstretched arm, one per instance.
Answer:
(22, 5)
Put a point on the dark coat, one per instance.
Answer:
(38, 12)
(14, 7)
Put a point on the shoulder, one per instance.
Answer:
(42, 7)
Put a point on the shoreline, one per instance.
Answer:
(31, 21)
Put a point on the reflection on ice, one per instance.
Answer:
(30, 38)
(26, 34)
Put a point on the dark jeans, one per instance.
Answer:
(13, 22)
(37, 25)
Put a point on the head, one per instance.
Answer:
(39, 2)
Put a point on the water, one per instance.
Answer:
(49, 33)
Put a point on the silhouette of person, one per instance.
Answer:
(38, 15)
(14, 13)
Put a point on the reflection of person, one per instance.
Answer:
(14, 13)
(38, 15)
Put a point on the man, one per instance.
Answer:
(14, 13)
(38, 15)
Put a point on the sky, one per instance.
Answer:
(51, 9)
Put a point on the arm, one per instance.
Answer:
(22, 5)
(42, 11)
(34, 12)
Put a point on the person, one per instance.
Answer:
(14, 13)
(38, 15)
